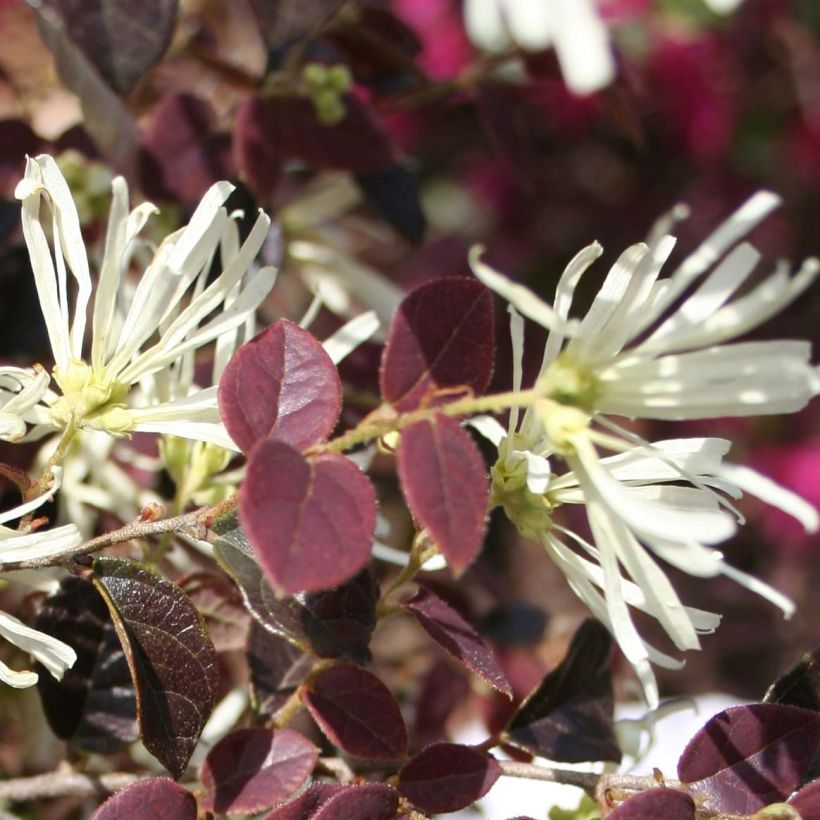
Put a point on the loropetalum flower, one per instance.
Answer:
(649, 347)
(140, 332)
(16, 545)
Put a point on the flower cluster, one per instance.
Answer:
(649, 347)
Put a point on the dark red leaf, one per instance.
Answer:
(513, 623)
(285, 21)
(371, 801)
(749, 756)
(444, 688)
(257, 146)
(800, 686)
(156, 798)
(441, 339)
(183, 153)
(305, 806)
(171, 657)
(447, 777)
(280, 385)
(450, 631)
(332, 623)
(807, 800)
(121, 38)
(568, 717)
(655, 804)
(444, 480)
(94, 706)
(357, 712)
(251, 769)
(332, 801)
(311, 522)
(276, 667)
(220, 604)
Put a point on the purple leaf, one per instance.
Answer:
(94, 705)
(357, 712)
(332, 801)
(568, 717)
(654, 804)
(800, 686)
(450, 631)
(169, 653)
(395, 194)
(284, 22)
(276, 667)
(220, 604)
(183, 153)
(444, 480)
(251, 769)
(311, 522)
(807, 800)
(280, 385)
(156, 798)
(121, 38)
(447, 777)
(441, 339)
(332, 623)
(749, 756)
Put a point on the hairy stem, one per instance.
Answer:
(65, 782)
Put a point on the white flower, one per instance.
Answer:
(630, 355)
(634, 355)
(21, 390)
(137, 332)
(573, 27)
(16, 545)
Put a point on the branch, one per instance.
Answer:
(65, 782)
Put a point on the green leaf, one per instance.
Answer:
(169, 653)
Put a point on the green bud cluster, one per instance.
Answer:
(326, 86)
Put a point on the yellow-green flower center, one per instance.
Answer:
(570, 383)
(90, 399)
(193, 465)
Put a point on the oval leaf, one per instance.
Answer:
(311, 522)
(568, 717)
(357, 712)
(447, 777)
(800, 686)
(276, 668)
(280, 385)
(251, 769)
(332, 801)
(332, 623)
(156, 798)
(749, 756)
(807, 800)
(121, 38)
(220, 604)
(94, 705)
(669, 804)
(441, 339)
(169, 653)
(444, 480)
(450, 631)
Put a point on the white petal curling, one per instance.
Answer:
(55, 655)
(32, 546)
(489, 427)
(350, 335)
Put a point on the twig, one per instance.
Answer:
(61, 782)
(568, 777)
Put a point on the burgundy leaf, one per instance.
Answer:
(257, 146)
(654, 804)
(568, 717)
(450, 631)
(183, 153)
(444, 480)
(171, 657)
(220, 604)
(311, 523)
(284, 22)
(444, 688)
(280, 385)
(332, 801)
(94, 706)
(121, 38)
(105, 116)
(447, 777)
(332, 623)
(749, 756)
(807, 800)
(156, 798)
(800, 686)
(357, 712)
(441, 339)
(251, 769)
(276, 667)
